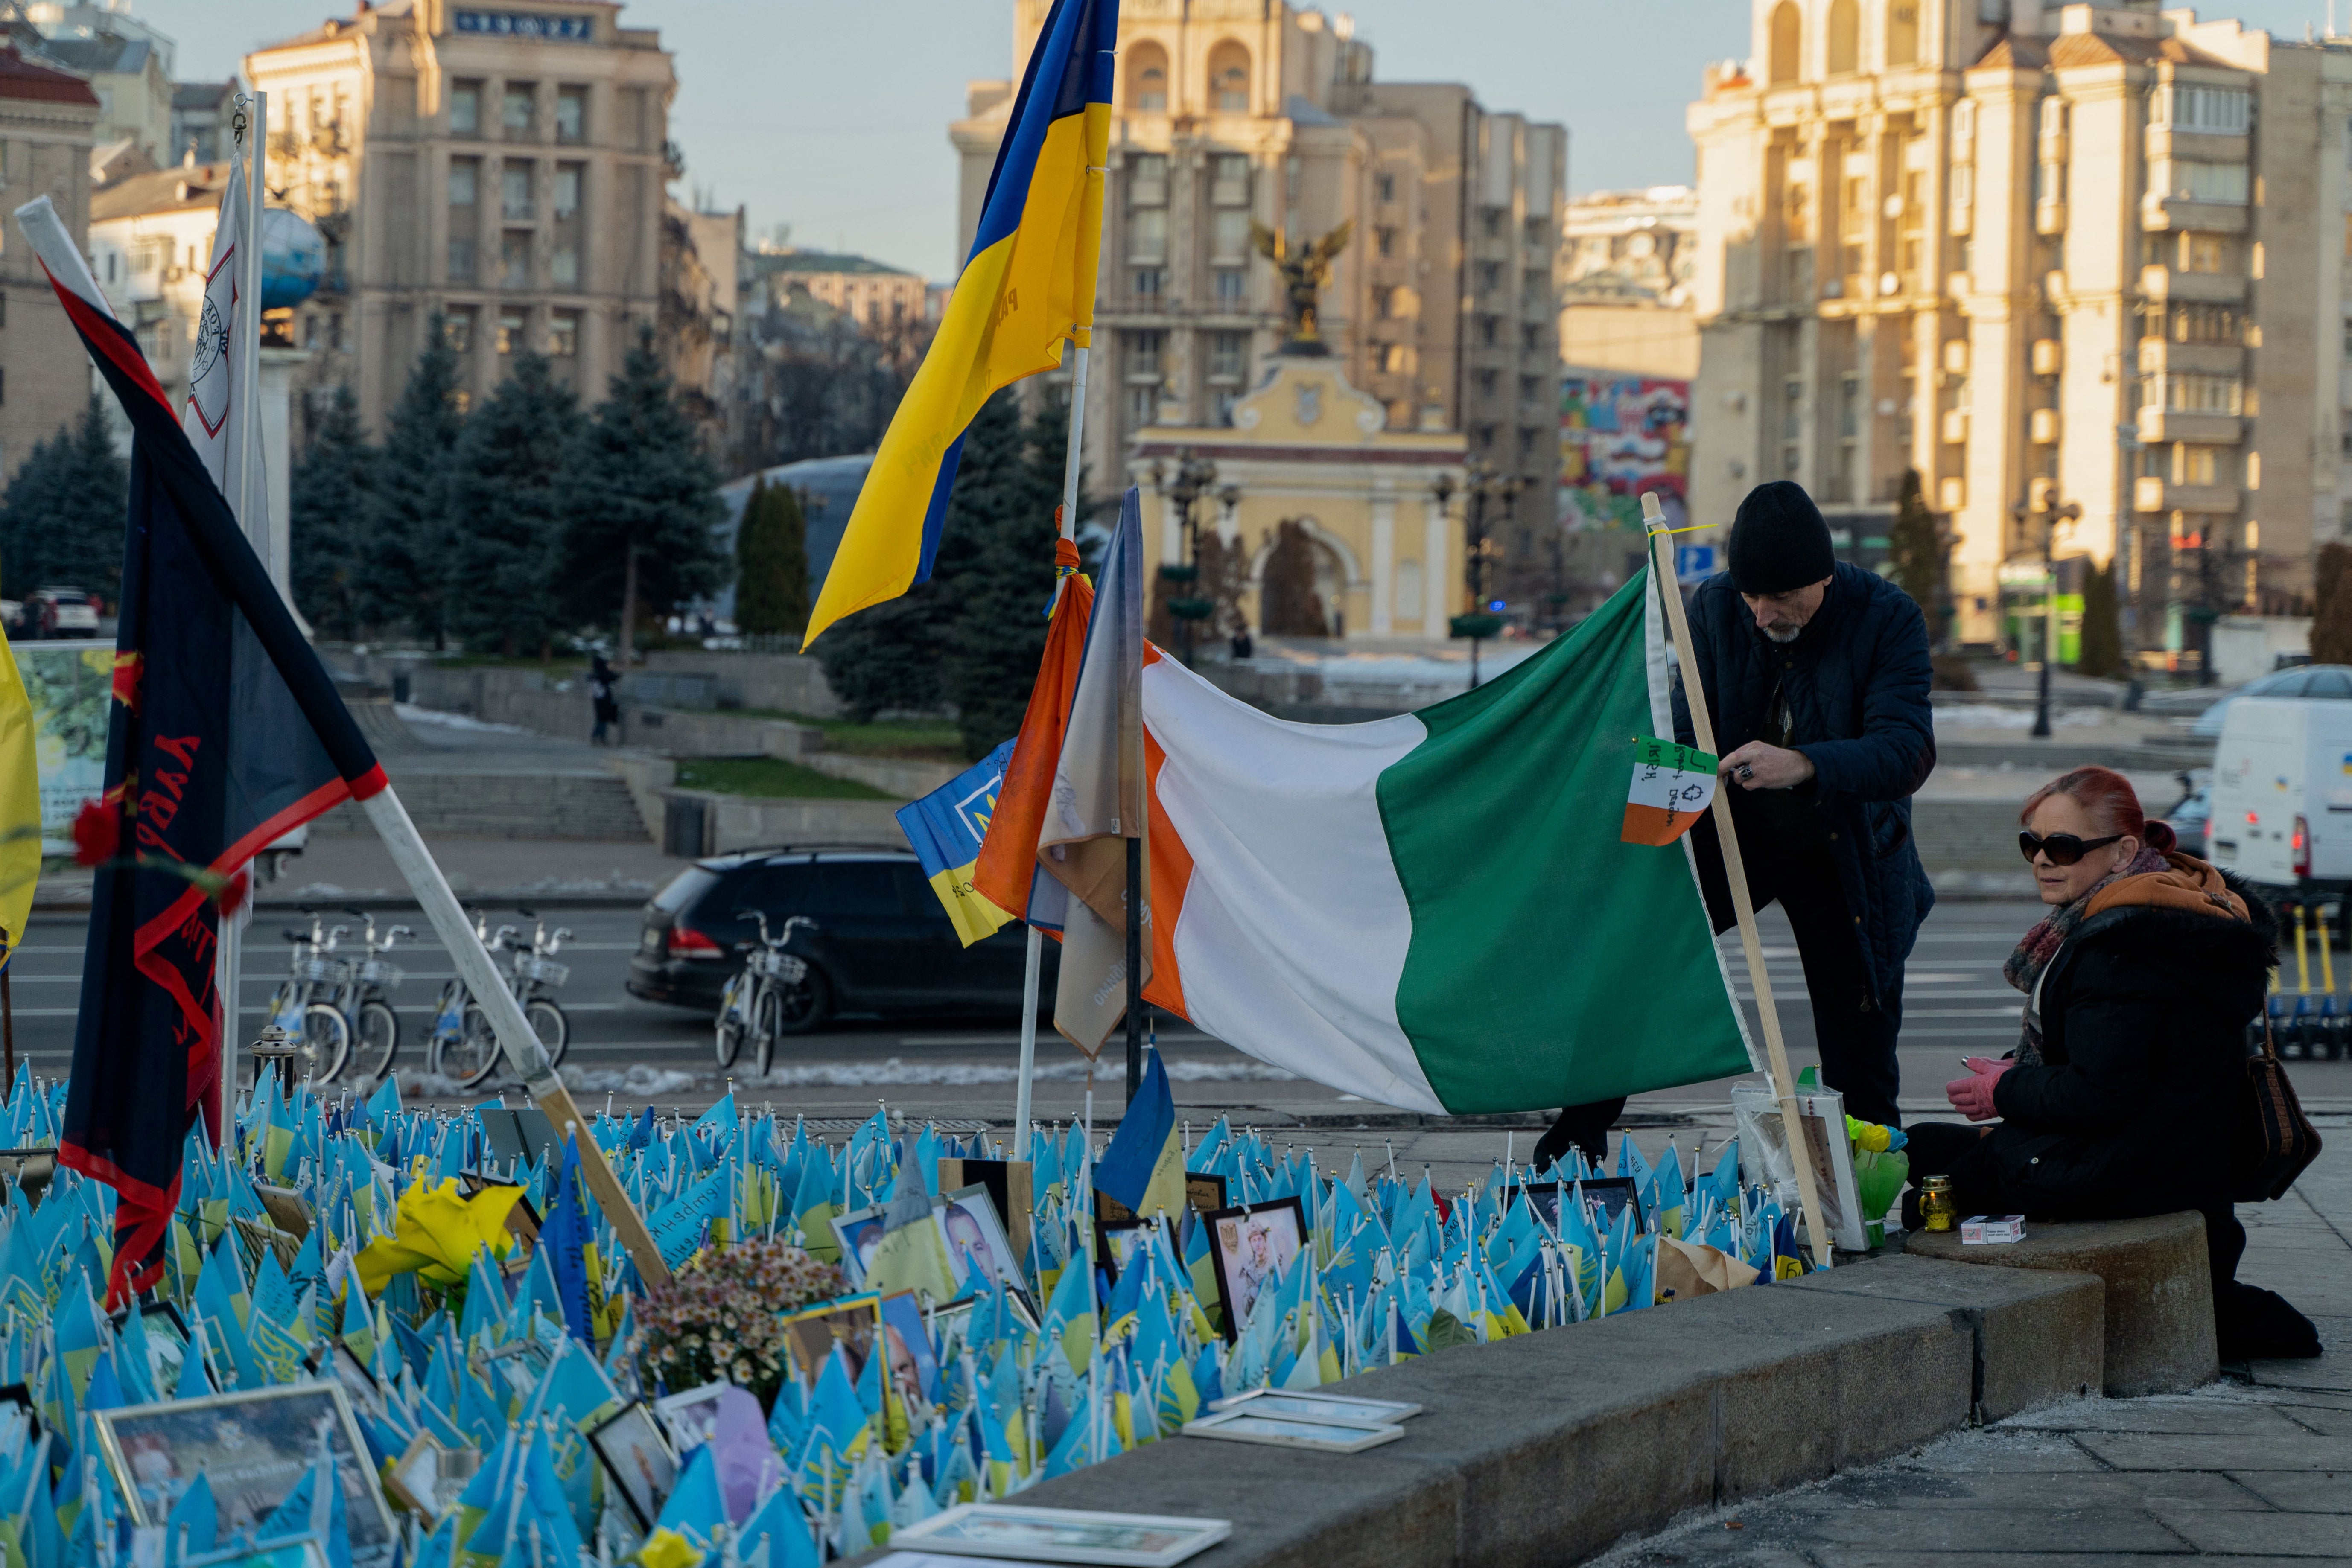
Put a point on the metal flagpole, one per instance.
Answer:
(1034, 958)
(250, 497)
(1784, 1086)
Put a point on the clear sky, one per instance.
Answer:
(833, 117)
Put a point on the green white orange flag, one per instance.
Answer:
(1672, 785)
(1436, 910)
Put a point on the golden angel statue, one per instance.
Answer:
(1304, 272)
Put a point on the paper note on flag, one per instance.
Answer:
(1672, 785)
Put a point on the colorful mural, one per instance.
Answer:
(1619, 437)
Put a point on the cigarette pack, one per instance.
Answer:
(1992, 1230)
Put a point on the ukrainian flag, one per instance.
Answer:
(946, 828)
(1028, 283)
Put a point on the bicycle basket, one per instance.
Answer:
(377, 972)
(546, 971)
(319, 971)
(779, 966)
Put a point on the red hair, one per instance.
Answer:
(2109, 799)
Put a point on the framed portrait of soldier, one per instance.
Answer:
(1254, 1246)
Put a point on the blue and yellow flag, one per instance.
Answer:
(1144, 1167)
(1028, 283)
(20, 807)
(946, 828)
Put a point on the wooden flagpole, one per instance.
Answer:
(1784, 1086)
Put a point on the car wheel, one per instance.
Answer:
(801, 1008)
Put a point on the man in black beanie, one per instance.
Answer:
(1817, 677)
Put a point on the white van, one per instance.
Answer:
(2282, 794)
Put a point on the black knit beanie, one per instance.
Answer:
(1779, 542)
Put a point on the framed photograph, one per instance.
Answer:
(1063, 1535)
(976, 1241)
(914, 1363)
(1116, 1241)
(1011, 1185)
(288, 1552)
(1756, 1115)
(426, 1478)
(852, 1322)
(691, 1418)
(637, 1459)
(253, 1447)
(1298, 1406)
(1609, 1198)
(857, 1233)
(288, 1209)
(1252, 1246)
(1286, 1432)
(1205, 1191)
(166, 1333)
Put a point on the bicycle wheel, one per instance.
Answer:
(554, 1028)
(379, 1039)
(326, 1043)
(727, 1028)
(767, 1023)
(473, 1055)
(286, 1006)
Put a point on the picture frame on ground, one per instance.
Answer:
(637, 1459)
(976, 1239)
(1063, 1535)
(1252, 1246)
(1204, 1192)
(1308, 1405)
(1011, 1188)
(1288, 1432)
(423, 1479)
(1609, 1198)
(166, 1334)
(857, 1233)
(1117, 1242)
(287, 1551)
(914, 1363)
(854, 1323)
(253, 1447)
(1756, 1112)
(690, 1419)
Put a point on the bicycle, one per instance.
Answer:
(773, 996)
(322, 1034)
(360, 1001)
(466, 1049)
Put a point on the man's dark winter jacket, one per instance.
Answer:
(1856, 681)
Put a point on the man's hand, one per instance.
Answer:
(1757, 765)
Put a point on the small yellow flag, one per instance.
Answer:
(20, 803)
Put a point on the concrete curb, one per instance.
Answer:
(1550, 1448)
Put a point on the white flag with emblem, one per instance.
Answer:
(214, 416)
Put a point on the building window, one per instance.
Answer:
(572, 114)
(465, 174)
(514, 192)
(1788, 28)
(2217, 111)
(2210, 324)
(2205, 253)
(1383, 301)
(1229, 78)
(1384, 242)
(458, 332)
(1147, 180)
(461, 258)
(1146, 233)
(567, 189)
(1143, 354)
(2204, 464)
(1384, 188)
(514, 260)
(1233, 288)
(1845, 37)
(512, 325)
(1229, 234)
(2195, 394)
(1489, 330)
(1490, 276)
(2187, 179)
(1146, 281)
(1487, 381)
(1901, 32)
(1229, 180)
(1221, 405)
(563, 267)
(1228, 355)
(1792, 426)
(515, 113)
(466, 109)
(1142, 405)
(563, 334)
(1147, 79)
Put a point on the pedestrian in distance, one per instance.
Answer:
(2123, 1096)
(604, 696)
(1816, 673)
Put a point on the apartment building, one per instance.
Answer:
(46, 120)
(2076, 266)
(1629, 258)
(1443, 306)
(502, 170)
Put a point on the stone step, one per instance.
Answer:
(512, 806)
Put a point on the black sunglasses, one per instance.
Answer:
(2063, 849)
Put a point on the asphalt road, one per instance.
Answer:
(963, 1069)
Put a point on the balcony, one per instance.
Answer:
(2154, 493)
(2159, 426)
(2194, 287)
(2166, 144)
(2161, 356)
(2161, 212)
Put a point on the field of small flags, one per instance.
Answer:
(349, 1227)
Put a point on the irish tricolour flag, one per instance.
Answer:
(1436, 910)
(1672, 785)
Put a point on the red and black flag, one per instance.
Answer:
(225, 732)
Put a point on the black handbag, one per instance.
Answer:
(2276, 1142)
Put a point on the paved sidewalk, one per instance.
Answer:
(2255, 1467)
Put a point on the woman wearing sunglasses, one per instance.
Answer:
(2120, 1097)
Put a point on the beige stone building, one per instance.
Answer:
(2080, 258)
(1628, 259)
(150, 245)
(46, 117)
(128, 64)
(1443, 309)
(500, 167)
(873, 294)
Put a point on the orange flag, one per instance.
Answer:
(1008, 853)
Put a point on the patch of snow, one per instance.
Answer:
(410, 713)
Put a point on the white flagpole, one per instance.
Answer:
(1070, 466)
(247, 464)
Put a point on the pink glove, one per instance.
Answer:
(1972, 1095)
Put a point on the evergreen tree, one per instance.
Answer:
(1915, 555)
(511, 484)
(330, 494)
(638, 535)
(2331, 622)
(772, 586)
(405, 551)
(1003, 516)
(2100, 649)
(61, 520)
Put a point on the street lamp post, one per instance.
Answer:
(2051, 521)
(1484, 484)
(1193, 478)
